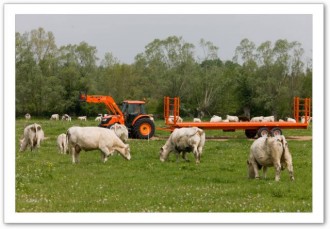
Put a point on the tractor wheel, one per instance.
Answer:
(250, 133)
(144, 128)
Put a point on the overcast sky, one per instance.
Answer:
(127, 35)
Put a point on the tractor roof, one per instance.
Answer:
(134, 102)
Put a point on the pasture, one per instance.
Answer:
(47, 181)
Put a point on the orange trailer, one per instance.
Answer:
(301, 108)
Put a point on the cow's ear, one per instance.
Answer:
(161, 149)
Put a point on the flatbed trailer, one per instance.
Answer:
(301, 108)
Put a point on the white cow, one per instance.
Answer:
(184, 140)
(82, 118)
(33, 135)
(232, 118)
(171, 119)
(257, 119)
(268, 119)
(309, 119)
(291, 120)
(98, 118)
(216, 118)
(66, 117)
(95, 138)
(197, 120)
(55, 117)
(121, 131)
(62, 144)
(27, 116)
(267, 152)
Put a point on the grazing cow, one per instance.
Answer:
(171, 119)
(215, 118)
(268, 119)
(309, 119)
(98, 118)
(62, 144)
(184, 140)
(27, 116)
(66, 117)
(152, 117)
(197, 120)
(55, 117)
(82, 118)
(121, 131)
(257, 119)
(33, 135)
(232, 118)
(93, 138)
(291, 120)
(267, 152)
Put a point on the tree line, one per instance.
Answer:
(259, 80)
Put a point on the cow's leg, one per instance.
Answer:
(106, 153)
(288, 161)
(177, 154)
(277, 166)
(75, 154)
(184, 156)
(256, 170)
(196, 154)
(264, 171)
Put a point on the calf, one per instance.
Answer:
(184, 140)
(121, 131)
(267, 152)
(32, 136)
(95, 138)
(62, 144)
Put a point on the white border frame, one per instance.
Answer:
(317, 216)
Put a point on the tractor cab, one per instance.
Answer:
(132, 109)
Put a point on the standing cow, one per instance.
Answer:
(62, 144)
(55, 117)
(267, 152)
(32, 136)
(121, 131)
(184, 140)
(27, 116)
(93, 138)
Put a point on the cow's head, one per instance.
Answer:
(163, 154)
(127, 154)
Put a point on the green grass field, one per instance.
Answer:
(47, 181)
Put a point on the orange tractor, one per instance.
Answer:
(132, 115)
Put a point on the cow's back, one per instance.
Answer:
(89, 138)
(261, 152)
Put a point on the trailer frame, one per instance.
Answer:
(301, 108)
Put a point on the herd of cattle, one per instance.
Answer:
(265, 152)
(230, 118)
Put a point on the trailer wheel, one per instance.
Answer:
(276, 131)
(263, 131)
(250, 133)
